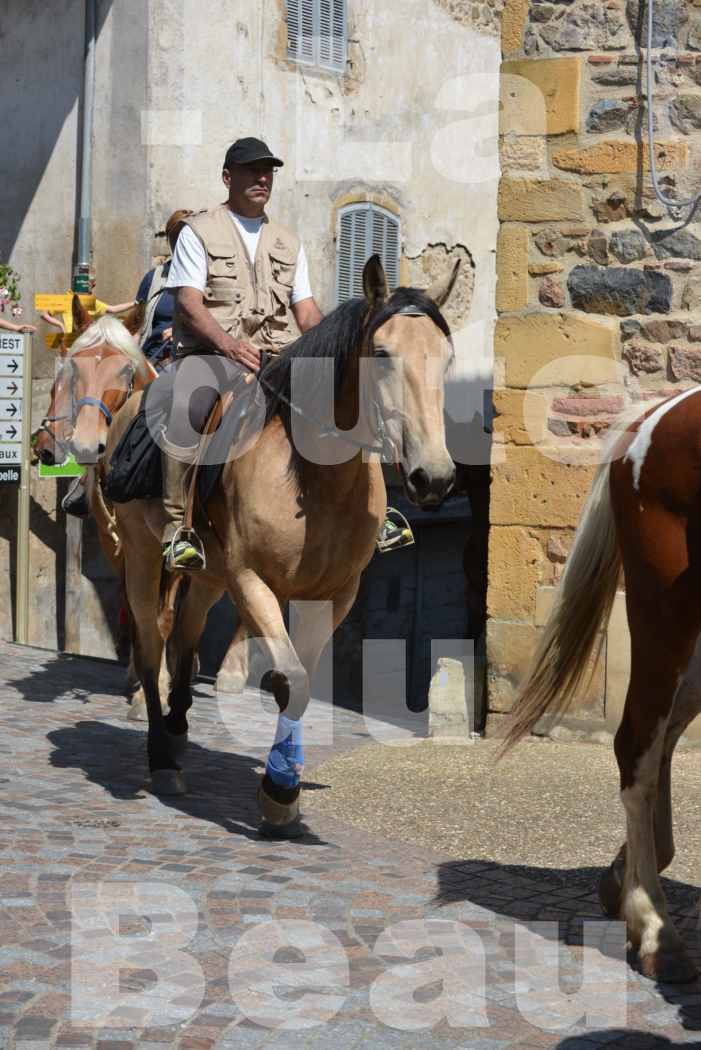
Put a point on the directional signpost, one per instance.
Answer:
(15, 401)
(12, 368)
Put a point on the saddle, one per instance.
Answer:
(135, 466)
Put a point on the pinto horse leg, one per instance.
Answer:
(687, 705)
(658, 653)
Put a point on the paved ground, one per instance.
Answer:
(128, 922)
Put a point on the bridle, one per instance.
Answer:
(75, 409)
(383, 444)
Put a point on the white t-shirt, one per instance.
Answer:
(189, 266)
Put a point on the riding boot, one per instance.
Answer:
(75, 501)
(181, 548)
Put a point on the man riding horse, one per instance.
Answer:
(242, 285)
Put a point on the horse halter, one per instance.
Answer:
(100, 404)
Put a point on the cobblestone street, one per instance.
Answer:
(78, 822)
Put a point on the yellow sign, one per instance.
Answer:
(61, 303)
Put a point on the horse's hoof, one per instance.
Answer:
(277, 814)
(177, 745)
(168, 782)
(668, 966)
(610, 893)
(137, 711)
(282, 833)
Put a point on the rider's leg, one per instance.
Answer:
(76, 500)
(194, 396)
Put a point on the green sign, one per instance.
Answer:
(68, 469)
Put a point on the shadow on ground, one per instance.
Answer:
(222, 785)
(569, 897)
(63, 675)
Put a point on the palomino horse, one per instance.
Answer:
(284, 528)
(643, 513)
(96, 377)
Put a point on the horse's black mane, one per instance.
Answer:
(336, 337)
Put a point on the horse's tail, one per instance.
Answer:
(582, 604)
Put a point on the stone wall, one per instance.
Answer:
(598, 300)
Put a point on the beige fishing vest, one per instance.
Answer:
(251, 302)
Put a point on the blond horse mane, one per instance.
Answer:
(110, 330)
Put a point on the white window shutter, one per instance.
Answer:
(392, 250)
(363, 230)
(332, 34)
(339, 23)
(360, 248)
(344, 257)
(317, 34)
(307, 32)
(300, 30)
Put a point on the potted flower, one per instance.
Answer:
(10, 297)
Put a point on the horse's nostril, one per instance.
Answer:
(100, 449)
(420, 480)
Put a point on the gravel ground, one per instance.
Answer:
(550, 804)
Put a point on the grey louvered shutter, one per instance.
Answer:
(300, 30)
(364, 229)
(332, 34)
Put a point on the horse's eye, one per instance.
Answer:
(380, 351)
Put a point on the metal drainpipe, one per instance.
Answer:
(81, 273)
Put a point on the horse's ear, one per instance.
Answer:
(81, 317)
(375, 282)
(135, 318)
(440, 290)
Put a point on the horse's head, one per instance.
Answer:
(103, 367)
(409, 340)
(51, 439)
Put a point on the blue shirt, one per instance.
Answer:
(162, 318)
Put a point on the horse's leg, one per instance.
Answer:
(687, 704)
(233, 673)
(287, 680)
(660, 649)
(143, 575)
(314, 626)
(189, 624)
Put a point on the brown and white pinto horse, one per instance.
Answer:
(643, 513)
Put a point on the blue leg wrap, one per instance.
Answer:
(286, 758)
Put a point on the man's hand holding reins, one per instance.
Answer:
(242, 352)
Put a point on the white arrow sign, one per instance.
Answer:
(11, 453)
(11, 411)
(10, 388)
(11, 365)
(11, 432)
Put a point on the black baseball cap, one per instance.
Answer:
(248, 151)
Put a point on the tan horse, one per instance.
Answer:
(282, 527)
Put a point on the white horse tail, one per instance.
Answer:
(582, 605)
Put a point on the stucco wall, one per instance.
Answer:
(413, 121)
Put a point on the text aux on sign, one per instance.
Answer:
(11, 403)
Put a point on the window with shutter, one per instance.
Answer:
(316, 33)
(363, 230)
